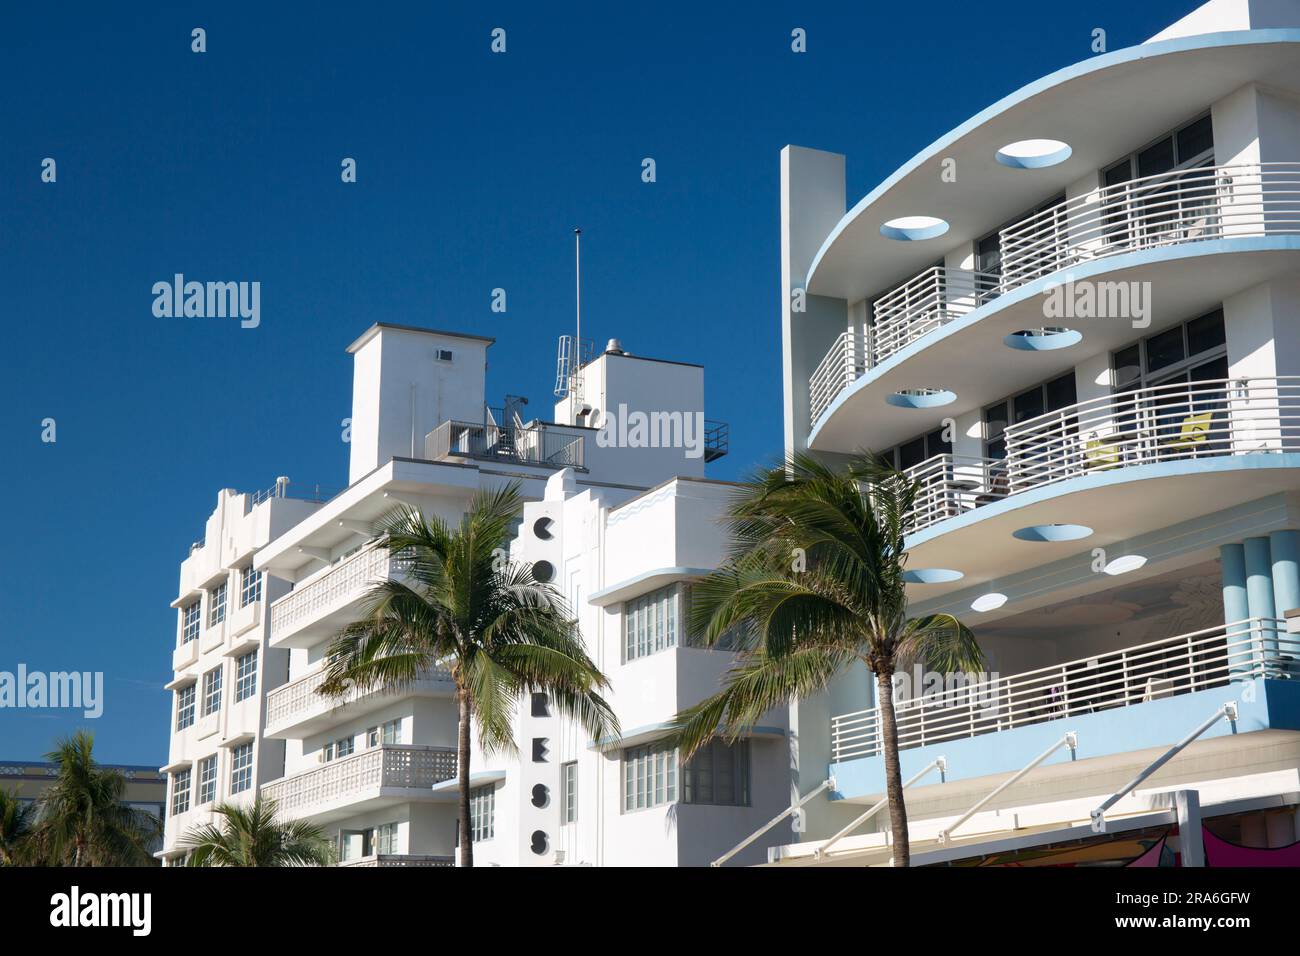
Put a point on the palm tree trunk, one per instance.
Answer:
(893, 773)
(462, 782)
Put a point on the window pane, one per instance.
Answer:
(913, 453)
(1028, 405)
(1121, 172)
(936, 444)
(1060, 392)
(1157, 158)
(1205, 333)
(1128, 367)
(1195, 139)
(989, 255)
(1165, 349)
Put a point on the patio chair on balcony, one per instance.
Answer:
(1191, 436)
(1100, 455)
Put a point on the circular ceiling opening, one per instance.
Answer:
(988, 602)
(1052, 532)
(1129, 562)
(931, 576)
(1033, 153)
(1043, 340)
(914, 228)
(921, 398)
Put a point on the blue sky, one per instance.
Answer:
(473, 169)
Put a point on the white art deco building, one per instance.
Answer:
(1075, 321)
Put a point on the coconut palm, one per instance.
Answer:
(83, 817)
(17, 821)
(252, 836)
(814, 585)
(461, 603)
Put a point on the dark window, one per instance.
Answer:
(936, 444)
(541, 704)
(1195, 138)
(1128, 367)
(1060, 392)
(1165, 349)
(1205, 333)
(995, 423)
(913, 453)
(1028, 404)
(989, 255)
(1121, 172)
(1156, 158)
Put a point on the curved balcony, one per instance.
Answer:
(393, 773)
(1102, 107)
(1152, 229)
(297, 708)
(1157, 670)
(313, 611)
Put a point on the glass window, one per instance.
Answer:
(1128, 368)
(343, 747)
(1028, 405)
(386, 838)
(1156, 158)
(649, 776)
(650, 623)
(569, 792)
(996, 419)
(1205, 333)
(1165, 349)
(912, 453)
(241, 768)
(207, 780)
(185, 706)
(1060, 392)
(393, 731)
(246, 676)
(1166, 356)
(482, 813)
(192, 616)
(217, 605)
(212, 691)
(180, 791)
(718, 774)
(1195, 138)
(250, 586)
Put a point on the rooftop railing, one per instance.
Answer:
(543, 445)
(1172, 666)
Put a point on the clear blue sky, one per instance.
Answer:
(473, 169)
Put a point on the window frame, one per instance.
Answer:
(250, 586)
(241, 768)
(207, 789)
(187, 704)
(568, 792)
(212, 680)
(180, 802)
(246, 676)
(217, 604)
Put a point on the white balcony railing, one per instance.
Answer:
(300, 699)
(837, 371)
(1186, 420)
(924, 303)
(1257, 647)
(362, 776)
(345, 582)
(1189, 205)
(400, 859)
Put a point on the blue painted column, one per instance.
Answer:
(1236, 604)
(1284, 546)
(1259, 593)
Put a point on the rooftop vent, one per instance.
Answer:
(614, 347)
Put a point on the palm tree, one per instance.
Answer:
(17, 819)
(463, 604)
(815, 584)
(252, 836)
(84, 820)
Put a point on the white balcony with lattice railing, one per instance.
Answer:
(319, 606)
(298, 708)
(400, 859)
(1122, 679)
(381, 776)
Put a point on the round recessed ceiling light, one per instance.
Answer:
(1052, 532)
(1129, 562)
(988, 602)
(921, 398)
(1033, 153)
(931, 576)
(914, 228)
(1043, 340)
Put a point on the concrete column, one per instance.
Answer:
(1188, 805)
(1284, 549)
(1259, 593)
(1236, 605)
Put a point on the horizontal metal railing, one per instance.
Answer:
(346, 581)
(539, 445)
(840, 368)
(1160, 423)
(924, 303)
(301, 698)
(360, 775)
(400, 859)
(1188, 205)
(1184, 664)
(949, 485)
